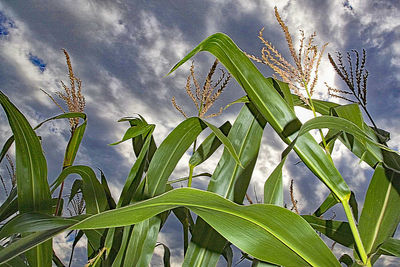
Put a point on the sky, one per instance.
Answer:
(122, 50)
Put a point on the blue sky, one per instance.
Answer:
(122, 50)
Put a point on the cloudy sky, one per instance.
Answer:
(122, 50)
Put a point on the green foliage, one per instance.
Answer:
(268, 234)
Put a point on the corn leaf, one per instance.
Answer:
(93, 193)
(161, 166)
(390, 247)
(336, 230)
(9, 206)
(135, 131)
(273, 107)
(208, 146)
(263, 233)
(293, 244)
(31, 170)
(328, 203)
(380, 215)
(230, 181)
(273, 187)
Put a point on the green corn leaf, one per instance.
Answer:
(167, 156)
(93, 193)
(31, 170)
(390, 247)
(9, 206)
(6, 147)
(227, 144)
(208, 146)
(354, 205)
(293, 244)
(346, 259)
(17, 261)
(167, 255)
(136, 172)
(230, 181)
(110, 199)
(57, 261)
(161, 166)
(273, 107)
(284, 91)
(135, 131)
(380, 216)
(76, 137)
(138, 141)
(76, 187)
(242, 100)
(27, 243)
(35, 222)
(328, 203)
(118, 260)
(343, 125)
(336, 230)
(228, 255)
(370, 154)
(321, 106)
(273, 187)
(77, 237)
(262, 233)
(257, 263)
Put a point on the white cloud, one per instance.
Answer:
(101, 21)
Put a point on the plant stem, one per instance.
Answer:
(356, 234)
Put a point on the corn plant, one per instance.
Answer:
(123, 232)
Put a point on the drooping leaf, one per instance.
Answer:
(28, 242)
(9, 206)
(346, 259)
(228, 255)
(6, 147)
(227, 143)
(34, 222)
(343, 125)
(293, 244)
(17, 261)
(328, 203)
(135, 131)
(93, 193)
(76, 187)
(110, 199)
(354, 205)
(76, 137)
(94, 196)
(167, 255)
(321, 106)
(390, 247)
(336, 230)
(262, 233)
(208, 146)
